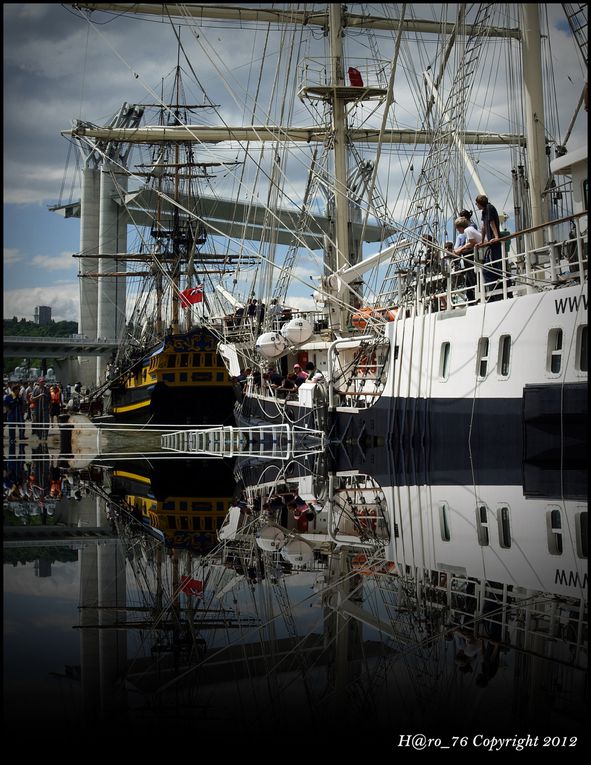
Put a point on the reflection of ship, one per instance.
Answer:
(187, 506)
(431, 562)
(398, 574)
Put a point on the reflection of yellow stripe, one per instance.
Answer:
(130, 407)
(134, 476)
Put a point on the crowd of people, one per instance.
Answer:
(39, 403)
(283, 385)
(253, 315)
(39, 480)
(476, 246)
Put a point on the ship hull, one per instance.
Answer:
(181, 382)
(487, 389)
(167, 405)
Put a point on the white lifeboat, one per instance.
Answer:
(297, 331)
(297, 552)
(270, 538)
(271, 345)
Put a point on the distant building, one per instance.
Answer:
(42, 567)
(43, 314)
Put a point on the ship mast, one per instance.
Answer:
(537, 170)
(176, 223)
(341, 202)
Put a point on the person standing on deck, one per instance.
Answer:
(275, 312)
(251, 311)
(259, 315)
(460, 242)
(471, 238)
(490, 231)
(55, 406)
(41, 400)
(13, 407)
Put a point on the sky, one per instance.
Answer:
(59, 67)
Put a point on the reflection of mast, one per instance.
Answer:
(342, 634)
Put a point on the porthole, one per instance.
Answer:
(482, 358)
(504, 360)
(554, 356)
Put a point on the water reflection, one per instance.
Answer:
(227, 593)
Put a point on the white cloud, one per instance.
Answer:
(63, 299)
(54, 262)
(12, 255)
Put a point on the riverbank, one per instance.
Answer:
(78, 448)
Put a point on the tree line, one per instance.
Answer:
(26, 328)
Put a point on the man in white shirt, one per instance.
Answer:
(466, 251)
(275, 312)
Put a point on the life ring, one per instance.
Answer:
(360, 318)
(368, 363)
(360, 564)
(389, 313)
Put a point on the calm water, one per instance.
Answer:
(101, 633)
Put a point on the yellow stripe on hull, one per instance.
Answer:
(130, 407)
(133, 476)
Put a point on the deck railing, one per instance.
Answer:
(523, 268)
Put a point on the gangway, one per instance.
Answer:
(283, 442)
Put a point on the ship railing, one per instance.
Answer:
(238, 331)
(526, 266)
(281, 442)
(535, 623)
(355, 517)
(316, 73)
(357, 381)
(361, 391)
(317, 319)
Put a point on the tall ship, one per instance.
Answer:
(149, 294)
(375, 158)
(483, 351)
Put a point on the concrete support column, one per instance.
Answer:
(88, 287)
(112, 642)
(112, 239)
(89, 636)
(70, 370)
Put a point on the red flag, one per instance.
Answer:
(192, 295)
(191, 586)
(355, 77)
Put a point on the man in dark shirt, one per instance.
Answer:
(273, 377)
(490, 229)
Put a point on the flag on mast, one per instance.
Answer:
(191, 586)
(191, 296)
